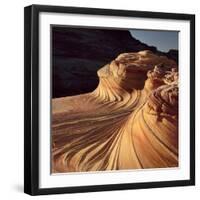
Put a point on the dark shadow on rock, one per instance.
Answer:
(78, 53)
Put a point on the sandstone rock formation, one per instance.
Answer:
(78, 53)
(129, 121)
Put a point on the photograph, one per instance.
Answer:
(109, 99)
(114, 99)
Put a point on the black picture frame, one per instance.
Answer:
(31, 98)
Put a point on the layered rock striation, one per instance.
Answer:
(130, 121)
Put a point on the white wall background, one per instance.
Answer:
(11, 98)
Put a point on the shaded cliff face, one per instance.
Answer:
(78, 53)
(130, 121)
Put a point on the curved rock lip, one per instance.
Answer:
(130, 121)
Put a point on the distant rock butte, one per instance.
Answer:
(130, 121)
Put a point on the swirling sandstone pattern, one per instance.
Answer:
(130, 121)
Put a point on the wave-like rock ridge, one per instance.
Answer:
(130, 121)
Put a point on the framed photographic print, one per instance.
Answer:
(109, 99)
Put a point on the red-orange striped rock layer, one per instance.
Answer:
(129, 122)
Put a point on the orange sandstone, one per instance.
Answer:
(130, 121)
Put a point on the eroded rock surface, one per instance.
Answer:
(129, 121)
